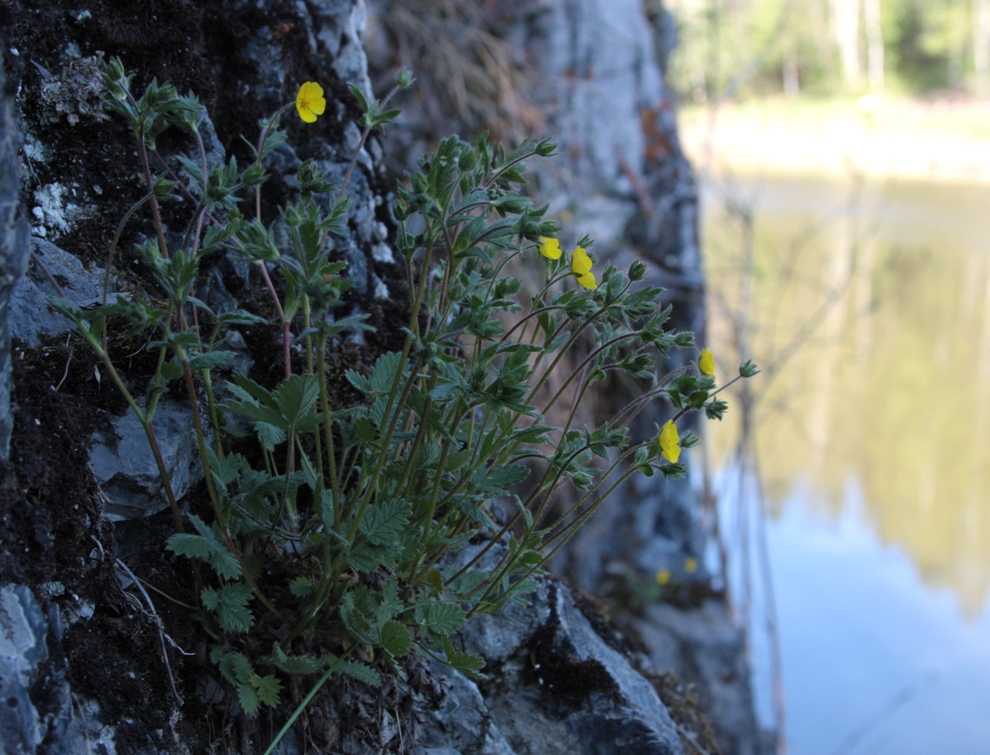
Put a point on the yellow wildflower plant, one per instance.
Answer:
(706, 363)
(549, 247)
(691, 565)
(581, 264)
(310, 103)
(670, 442)
(662, 577)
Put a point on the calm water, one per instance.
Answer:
(868, 305)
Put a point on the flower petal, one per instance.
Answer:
(310, 102)
(549, 248)
(706, 362)
(670, 442)
(580, 261)
(588, 281)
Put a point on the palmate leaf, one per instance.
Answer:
(267, 688)
(381, 377)
(230, 602)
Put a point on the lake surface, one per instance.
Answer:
(868, 306)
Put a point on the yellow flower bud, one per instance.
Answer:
(706, 363)
(670, 442)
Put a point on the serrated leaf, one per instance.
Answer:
(525, 587)
(439, 618)
(205, 546)
(361, 672)
(269, 435)
(386, 520)
(468, 581)
(230, 603)
(249, 699)
(477, 514)
(211, 359)
(240, 667)
(468, 664)
(267, 688)
(240, 317)
(301, 587)
(434, 579)
(396, 640)
(496, 481)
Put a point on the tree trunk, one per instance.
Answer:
(981, 45)
(874, 43)
(845, 28)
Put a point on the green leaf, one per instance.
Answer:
(294, 664)
(396, 640)
(439, 618)
(295, 397)
(301, 587)
(240, 317)
(248, 699)
(495, 481)
(230, 602)
(207, 547)
(211, 359)
(475, 513)
(240, 667)
(360, 671)
(383, 524)
(267, 687)
(467, 664)
(468, 581)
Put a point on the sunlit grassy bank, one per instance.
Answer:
(939, 139)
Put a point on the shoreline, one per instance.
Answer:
(882, 138)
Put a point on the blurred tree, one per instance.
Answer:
(830, 47)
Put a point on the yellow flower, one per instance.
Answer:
(549, 248)
(691, 565)
(663, 577)
(310, 102)
(581, 264)
(670, 442)
(706, 362)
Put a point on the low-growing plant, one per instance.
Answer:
(347, 527)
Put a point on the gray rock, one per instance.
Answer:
(30, 316)
(463, 725)
(125, 469)
(557, 687)
(23, 648)
(14, 250)
(704, 648)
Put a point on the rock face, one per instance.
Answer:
(560, 679)
(14, 248)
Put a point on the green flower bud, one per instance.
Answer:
(254, 175)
